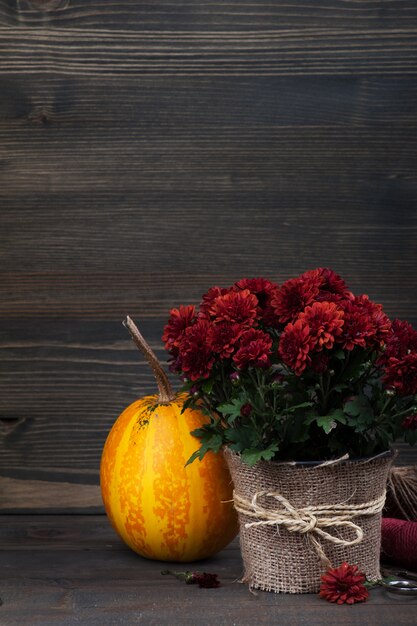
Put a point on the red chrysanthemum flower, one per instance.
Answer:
(264, 290)
(380, 324)
(238, 307)
(260, 287)
(269, 317)
(178, 321)
(175, 364)
(332, 286)
(343, 585)
(294, 295)
(254, 350)
(401, 374)
(195, 354)
(295, 345)
(222, 337)
(410, 422)
(208, 299)
(401, 341)
(358, 329)
(325, 320)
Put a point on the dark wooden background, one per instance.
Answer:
(151, 149)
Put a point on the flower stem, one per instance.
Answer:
(409, 410)
(387, 402)
(187, 577)
(323, 395)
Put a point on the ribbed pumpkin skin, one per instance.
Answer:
(160, 508)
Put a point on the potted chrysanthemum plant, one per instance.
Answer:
(306, 386)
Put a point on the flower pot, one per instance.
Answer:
(297, 519)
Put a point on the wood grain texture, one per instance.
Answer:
(35, 495)
(309, 52)
(60, 570)
(211, 16)
(150, 150)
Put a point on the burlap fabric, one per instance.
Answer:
(282, 560)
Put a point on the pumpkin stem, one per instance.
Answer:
(166, 395)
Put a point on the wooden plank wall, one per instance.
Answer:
(151, 149)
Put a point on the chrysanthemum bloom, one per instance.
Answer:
(343, 585)
(401, 341)
(254, 350)
(332, 287)
(208, 299)
(175, 365)
(264, 290)
(260, 287)
(223, 337)
(295, 345)
(294, 295)
(410, 422)
(236, 306)
(178, 321)
(325, 320)
(195, 354)
(358, 328)
(401, 374)
(381, 324)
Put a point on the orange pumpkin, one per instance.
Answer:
(161, 508)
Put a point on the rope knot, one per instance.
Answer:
(310, 521)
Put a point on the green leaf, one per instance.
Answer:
(339, 416)
(352, 408)
(199, 432)
(359, 406)
(328, 422)
(371, 584)
(240, 437)
(251, 456)
(213, 442)
(340, 355)
(360, 413)
(193, 457)
(236, 447)
(187, 404)
(231, 409)
(303, 405)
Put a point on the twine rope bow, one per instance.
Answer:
(310, 520)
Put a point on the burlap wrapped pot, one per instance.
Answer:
(298, 519)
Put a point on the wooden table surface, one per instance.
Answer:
(63, 570)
